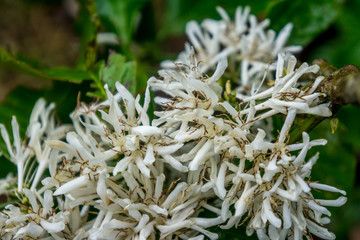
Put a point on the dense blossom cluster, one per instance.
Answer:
(209, 157)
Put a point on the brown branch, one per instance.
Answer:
(341, 86)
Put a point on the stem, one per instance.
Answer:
(20, 168)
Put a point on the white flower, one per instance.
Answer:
(18, 154)
(244, 42)
(35, 219)
(114, 174)
(41, 127)
(5, 184)
(278, 201)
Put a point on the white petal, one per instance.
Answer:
(159, 185)
(302, 183)
(287, 124)
(142, 167)
(273, 219)
(30, 230)
(261, 234)
(220, 69)
(174, 163)
(220, 182)
(121, 165)
(273, 233)
(117, 224)
(229, 109)
(319, 231)
(173, 195)
(332, 203)
(146, 130)
(168, 149)
(48, 201)
(158, 209)
(286, 215)
(326, 188)
(316, 207)
(128, 99)
(32, 199)
(149, 156)
(52, 227)
(72, 185)
(200, 156)
(143, 221)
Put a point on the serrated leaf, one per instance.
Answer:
(118, 70)
(97, 83)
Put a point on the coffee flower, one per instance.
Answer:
(247, 44)
(210, 157)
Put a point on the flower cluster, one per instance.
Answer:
(203, 161)
(247, 44)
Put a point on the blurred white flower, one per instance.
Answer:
(247, 44)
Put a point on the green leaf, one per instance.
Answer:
(340, 45)
(58, 73)
(309, 17)
(118, 70)
(120, 17)
(97, 83)
(348, 217)
(66, 74)
(337, 162)
(87, 25)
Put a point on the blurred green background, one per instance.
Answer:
(46, 46)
